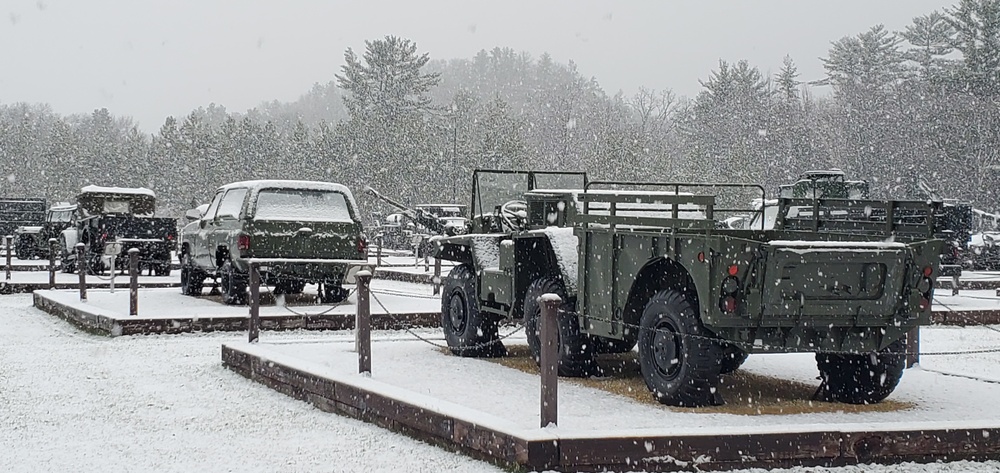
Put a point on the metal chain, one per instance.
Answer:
(301, 314)
(407, 327)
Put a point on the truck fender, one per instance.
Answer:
(71, 236)
(657, 274)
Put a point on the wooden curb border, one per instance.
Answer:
(114, 327)
(650, 453)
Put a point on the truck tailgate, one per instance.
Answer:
(831, 281)
(305, 240)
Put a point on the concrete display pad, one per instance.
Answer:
(490, 412)
(168, 311)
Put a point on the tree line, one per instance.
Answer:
(921, 103)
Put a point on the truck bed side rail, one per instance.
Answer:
(673, 207)
(872, 217)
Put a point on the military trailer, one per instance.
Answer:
(124, 215)
(652, 266)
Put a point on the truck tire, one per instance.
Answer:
(234, 285)
(863, 378)
(732, 358)
(576, 349)
(67, 266)
(469, 332)
(678, 357)
(162, 268)
(331, 293)
(192, 280)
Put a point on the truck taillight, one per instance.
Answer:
(730, 290)
(243, 242)
(362, 245)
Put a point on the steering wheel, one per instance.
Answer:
(513, 210)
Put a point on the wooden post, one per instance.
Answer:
(81, 269)
(8, 238)
(549, 362)
(133, 281)
(378, 250)
(913, 347)
(52, 263)
(427, 254)
(363, 324)
(254, 330)
(437, 276)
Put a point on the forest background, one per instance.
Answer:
(922, 103)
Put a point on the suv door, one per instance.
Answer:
(201, 251)
(227, 225)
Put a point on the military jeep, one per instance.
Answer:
(652, 266)
(298, 232)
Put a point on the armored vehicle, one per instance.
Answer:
(33, 241)
(298, 232)
(651, 265)
(106, 215)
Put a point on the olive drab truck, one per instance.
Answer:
(652, 267)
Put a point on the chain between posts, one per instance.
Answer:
(407, 327)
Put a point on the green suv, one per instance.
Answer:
(298, 232)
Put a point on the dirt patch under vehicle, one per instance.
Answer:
(746, 393)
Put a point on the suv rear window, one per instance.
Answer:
(302, 205)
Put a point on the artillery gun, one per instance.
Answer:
(428, 221)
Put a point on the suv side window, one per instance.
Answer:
(232, 203)
(210, 211)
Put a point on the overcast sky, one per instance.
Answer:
(151, 59)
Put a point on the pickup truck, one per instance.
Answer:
(297, 232)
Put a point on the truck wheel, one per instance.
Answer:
(192, 280)
(291, 287)
(678, 357)
(234, 285)
(162, 269)
(863, 378)
(576, 349)
(332, 293)
(468, 331)
(732, 358)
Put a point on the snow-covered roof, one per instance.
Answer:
(257, 185)
(289, 184)
(117, 190)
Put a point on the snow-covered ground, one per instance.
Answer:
(76, 402)
(939, 400)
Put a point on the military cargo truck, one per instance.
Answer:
(651, 265)
(125, 215)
